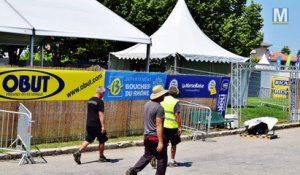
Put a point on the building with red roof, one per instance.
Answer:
(263, 49)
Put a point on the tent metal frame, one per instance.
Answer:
(236, 90)
(33, 38)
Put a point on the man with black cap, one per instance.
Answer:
(153, 134)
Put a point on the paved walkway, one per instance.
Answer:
(228, 155)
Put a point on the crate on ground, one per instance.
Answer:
(263, 136)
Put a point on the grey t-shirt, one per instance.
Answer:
(151, 111)
(177, 108)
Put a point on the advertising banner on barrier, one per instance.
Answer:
(280, 87)
(131, 85)
(48, 84)
(193, 86)
(223, 95)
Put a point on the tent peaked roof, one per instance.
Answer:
(264, 64)
(180, 34)
(66, 18)
(264, 60)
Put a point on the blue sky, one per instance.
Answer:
(280, 35)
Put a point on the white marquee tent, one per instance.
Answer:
(264, 64)
(181, 35)
(20, 19)
(263, 60)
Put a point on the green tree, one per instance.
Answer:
(286, 50)
(298, 54)
(230, 23)
(254, 60)
(147, 15)
(77, 51)
(14, 53)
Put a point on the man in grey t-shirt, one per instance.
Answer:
(153, 134)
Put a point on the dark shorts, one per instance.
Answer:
(172, 136)
(95, 132)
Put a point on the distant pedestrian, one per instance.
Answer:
(153, 134)
(95, 126)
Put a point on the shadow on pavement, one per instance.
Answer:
(184, 164)
(114, 160)
(39, 162)
(94, 161)
(210, 140)
(97, 161)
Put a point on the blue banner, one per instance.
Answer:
(193, 86)
(293, 104)
(278, 62)
(223, 95)
(131, 85)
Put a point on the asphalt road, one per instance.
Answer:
(228, 155)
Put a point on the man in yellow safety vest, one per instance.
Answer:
(172, 122)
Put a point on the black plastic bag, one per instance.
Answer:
(259, 129)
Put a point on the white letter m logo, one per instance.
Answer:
(280, 15)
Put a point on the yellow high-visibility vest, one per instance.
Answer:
(170, 119)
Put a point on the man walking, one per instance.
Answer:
(95, 126)
(172, 123)
(153, 134)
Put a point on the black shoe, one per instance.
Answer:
(77, 156)
(129, 172)
(153, 162)
(103, 159)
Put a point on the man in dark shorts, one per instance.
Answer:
(95, 126)
(172, 123)
(153, 134)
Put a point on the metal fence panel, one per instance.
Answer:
(195, 118)
(267, 97)
(16, 132)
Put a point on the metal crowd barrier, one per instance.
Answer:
(274, 97)
(195, 118)
(15, 132)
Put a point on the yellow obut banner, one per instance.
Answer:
(48, 85)
(280, 87)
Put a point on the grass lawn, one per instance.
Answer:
(254, 110)
(77, 143)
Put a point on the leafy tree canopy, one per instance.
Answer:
(230, 23)
(286, 50)
(298, 54)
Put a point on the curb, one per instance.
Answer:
(126, 144)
